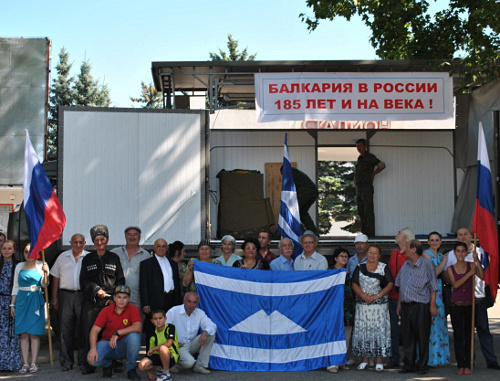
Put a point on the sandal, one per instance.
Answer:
(24, 369)
(362, 366)
(33, 368)
(333, 369)
(379, 368)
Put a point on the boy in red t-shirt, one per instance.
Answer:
(121, 327)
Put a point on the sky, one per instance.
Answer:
(121, 38)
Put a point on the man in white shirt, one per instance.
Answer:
(67, 298)
(310, 259)
(188, 320)
(284, 262)
(131, 255)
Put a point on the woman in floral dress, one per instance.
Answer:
(10, 349)
(371, 282)
(439, 346)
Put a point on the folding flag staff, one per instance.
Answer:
(44, 214)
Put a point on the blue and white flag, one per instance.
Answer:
(273, 320)
(289, 220)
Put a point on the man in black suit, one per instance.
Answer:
(159, 284)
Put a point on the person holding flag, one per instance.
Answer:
(481, 315)
(485, 229)
(45, 220)
(27, 306)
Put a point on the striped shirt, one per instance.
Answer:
(416, 282)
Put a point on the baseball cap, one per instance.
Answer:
(361, 238)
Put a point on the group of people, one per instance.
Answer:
(111, 297)
(105, 301)
(405, 299)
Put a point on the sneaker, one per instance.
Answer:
(163, 377)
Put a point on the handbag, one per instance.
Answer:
(489, 298)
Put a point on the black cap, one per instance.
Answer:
(123, 289)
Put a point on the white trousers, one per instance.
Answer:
(186, 352)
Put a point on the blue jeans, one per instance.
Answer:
(483, 331)
(395, 330)
(128, 347)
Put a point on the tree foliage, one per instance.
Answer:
(233, 53)
(149, 98)
(406, 29)
(66, 91)
(61, 94)
(87, 91)
(337, 196)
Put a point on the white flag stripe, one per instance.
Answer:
(287, 229)
(290, 200)
(263, 324)
(278, 356)
(483, 150)
(269, 289)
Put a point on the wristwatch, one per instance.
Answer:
(116, 334)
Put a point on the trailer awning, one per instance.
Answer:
(233, 81)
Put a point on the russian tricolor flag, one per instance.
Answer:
(44, 215)
(484, 224)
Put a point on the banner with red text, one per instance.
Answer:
(353, 96)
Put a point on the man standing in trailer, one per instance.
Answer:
(367, 167)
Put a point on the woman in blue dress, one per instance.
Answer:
(439, 346)
(28, 307)
(10, 351)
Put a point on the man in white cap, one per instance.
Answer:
(131, 255)
(310, 259)
(361, 247)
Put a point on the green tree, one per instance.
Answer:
(337, 196)
(233, 53)
(405, 29)
(88, 92)
(149, 98)
(61, 94)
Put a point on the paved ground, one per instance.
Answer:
(441, 373)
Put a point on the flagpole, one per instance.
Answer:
(49, 327)
(473, 307)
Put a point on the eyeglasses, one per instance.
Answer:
(343, 256)
(308, 242)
